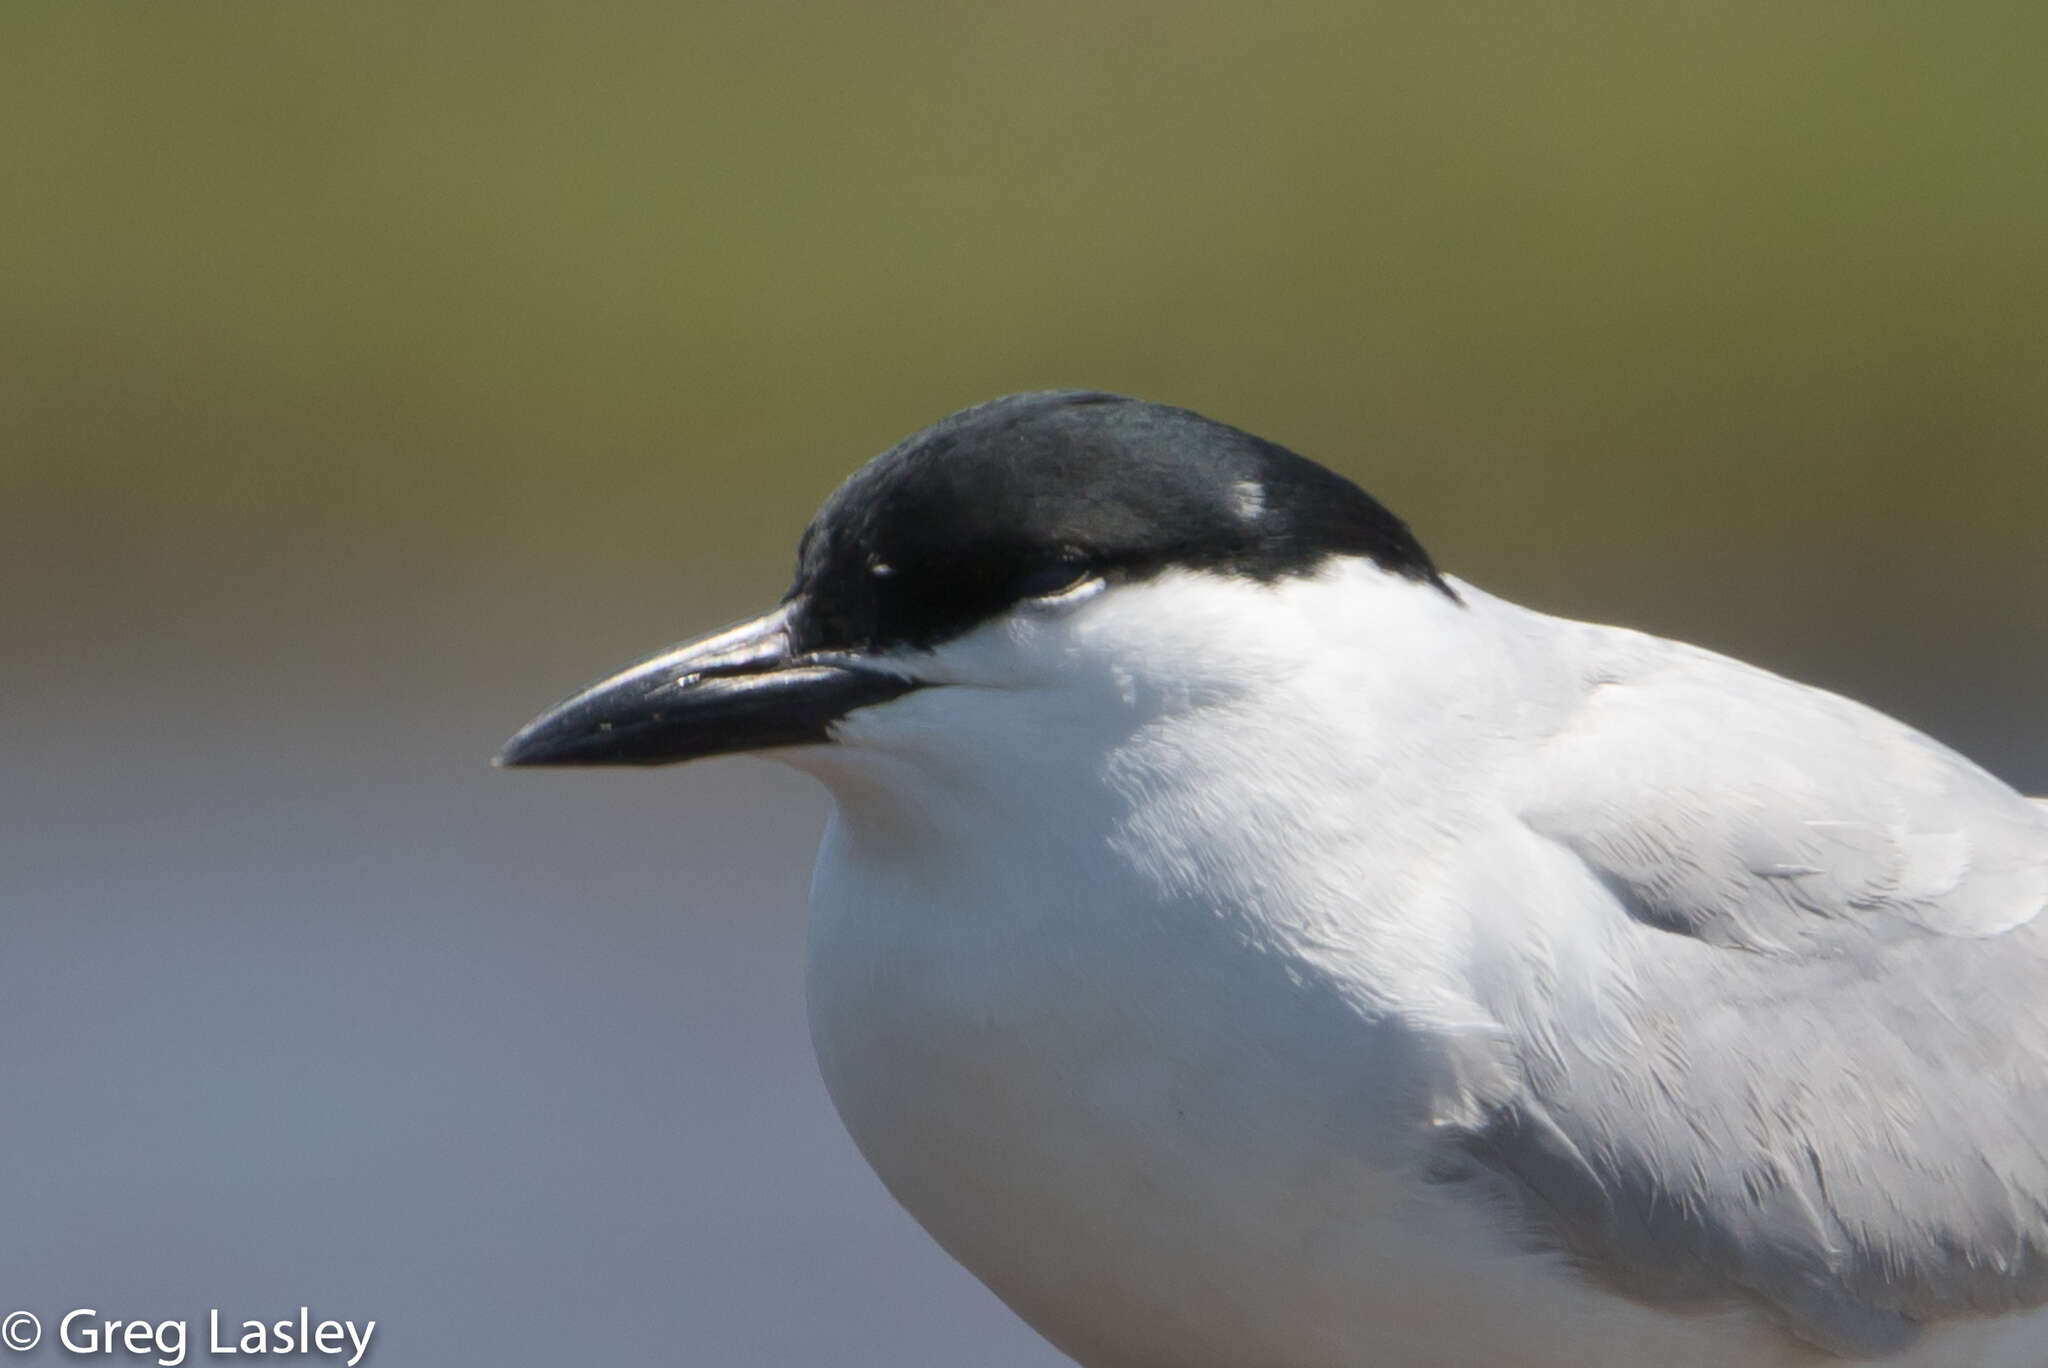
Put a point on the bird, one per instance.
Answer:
(1242, 944)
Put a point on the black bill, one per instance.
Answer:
(743, 689)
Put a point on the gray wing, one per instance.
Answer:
(1808, 1058)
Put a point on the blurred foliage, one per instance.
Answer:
(1629, 308)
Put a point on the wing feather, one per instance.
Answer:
(1817, 1071)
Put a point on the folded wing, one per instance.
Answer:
(1806, 1058)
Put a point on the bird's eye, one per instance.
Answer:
(1050, 581)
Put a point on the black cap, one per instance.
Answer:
(1011, 497)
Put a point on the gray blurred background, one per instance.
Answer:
(371, 375)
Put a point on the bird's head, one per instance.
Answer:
(1033, 562)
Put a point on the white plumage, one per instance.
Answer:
(1327, 972)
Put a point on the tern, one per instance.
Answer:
(1242, 945)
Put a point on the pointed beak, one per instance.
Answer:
(743, 689)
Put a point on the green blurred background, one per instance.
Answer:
(1686, 302)
(371, 374)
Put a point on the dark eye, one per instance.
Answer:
(1056, 578)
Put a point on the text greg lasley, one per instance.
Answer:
(329, 1338)
(85, 1331)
